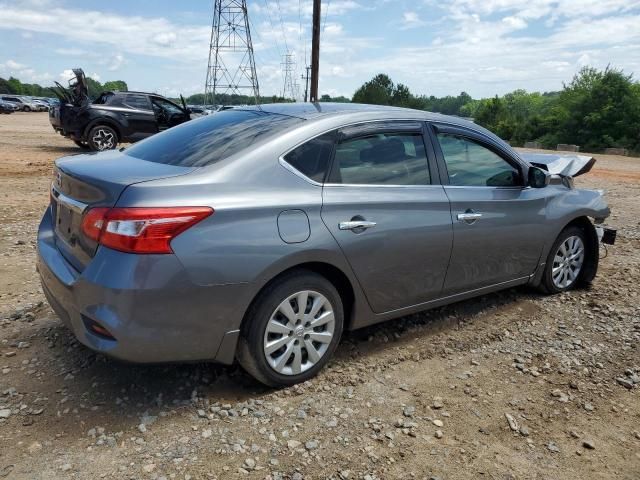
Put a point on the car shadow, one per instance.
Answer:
(116, 395)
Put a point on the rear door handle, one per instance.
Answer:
(356, 225)
(469, 217)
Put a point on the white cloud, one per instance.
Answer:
(411, 20)
(95, 76)
(116, 62)
(13, 65)
(516, 23)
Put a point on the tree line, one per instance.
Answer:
(598, 109)
(16, 87)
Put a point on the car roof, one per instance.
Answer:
(310, 111)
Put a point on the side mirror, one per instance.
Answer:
(538, 178)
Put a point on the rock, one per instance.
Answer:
(10, 354)
(437, 403)
(438, 423)
(142, 427)
(5, 413)
(560, 395)
(513, 423)
(552, 447)
(311, 445)
(524, 431)
(35, 447)
(438, 434)
(409, 411)
(625, 383)
(149, 467)
(588, 444)
(65, 467)
(207, 433)
(249, 464)
(293, 444)
(588, 407)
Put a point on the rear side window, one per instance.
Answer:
(312, 158)
(140, 102)
(381, 159)
(209, 139)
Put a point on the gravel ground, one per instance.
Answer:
(512, 385)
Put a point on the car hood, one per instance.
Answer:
(561, 164)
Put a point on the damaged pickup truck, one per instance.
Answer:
(112, 118)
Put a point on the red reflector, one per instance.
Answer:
(101, 331)
(140, 229)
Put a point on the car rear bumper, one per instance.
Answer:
(146, 302)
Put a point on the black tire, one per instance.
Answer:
(547, 284)
(81, 144)
(251, 354)
(102, 137)
(27, 109)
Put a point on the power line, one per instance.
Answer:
(326, 14)
(284, 35)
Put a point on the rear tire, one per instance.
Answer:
(27, 109)
(102, 137)
(565, 267)
(283, 344)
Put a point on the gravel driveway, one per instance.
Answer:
(513, 385)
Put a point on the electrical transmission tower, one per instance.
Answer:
(230, 45)
(288, 67)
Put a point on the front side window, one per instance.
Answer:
(469, 164)
(381, 159)
(166, 105)
(212, 138)
(312, 158)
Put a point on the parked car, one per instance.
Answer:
(114, 117)
(40, 104)
(262, 233)
(198, 111)
(23, 103)
(8, 107)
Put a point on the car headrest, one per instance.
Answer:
(386, 151)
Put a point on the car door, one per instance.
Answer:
(389, 218)
(496, 218)
(141, 118)
(167, 113)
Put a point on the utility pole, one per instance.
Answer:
(230, 45)
(315, 51)
(306, 82)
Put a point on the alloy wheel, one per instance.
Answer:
(567, 262)
(299, 332)
(103, 139)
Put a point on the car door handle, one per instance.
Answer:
(469, 217)
(356, 225)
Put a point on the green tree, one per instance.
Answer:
(377, 91)
(116, 85)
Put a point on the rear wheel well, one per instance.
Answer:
(339, 280)
(593, 252)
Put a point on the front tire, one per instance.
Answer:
(292, 329)
(102, 137)
(565, 268)
(27, 109)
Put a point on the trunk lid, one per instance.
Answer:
(86, 181)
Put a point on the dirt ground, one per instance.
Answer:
(428, 396)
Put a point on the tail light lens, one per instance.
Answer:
(140, 229)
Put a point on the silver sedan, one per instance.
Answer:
(261, 234)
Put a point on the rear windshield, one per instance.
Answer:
(209, 139)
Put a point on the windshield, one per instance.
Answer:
(210, 139)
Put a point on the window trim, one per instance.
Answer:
(483, 141)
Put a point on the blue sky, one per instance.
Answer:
(483, 47)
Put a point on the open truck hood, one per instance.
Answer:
(563, 165)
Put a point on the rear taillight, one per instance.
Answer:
(140, 229)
